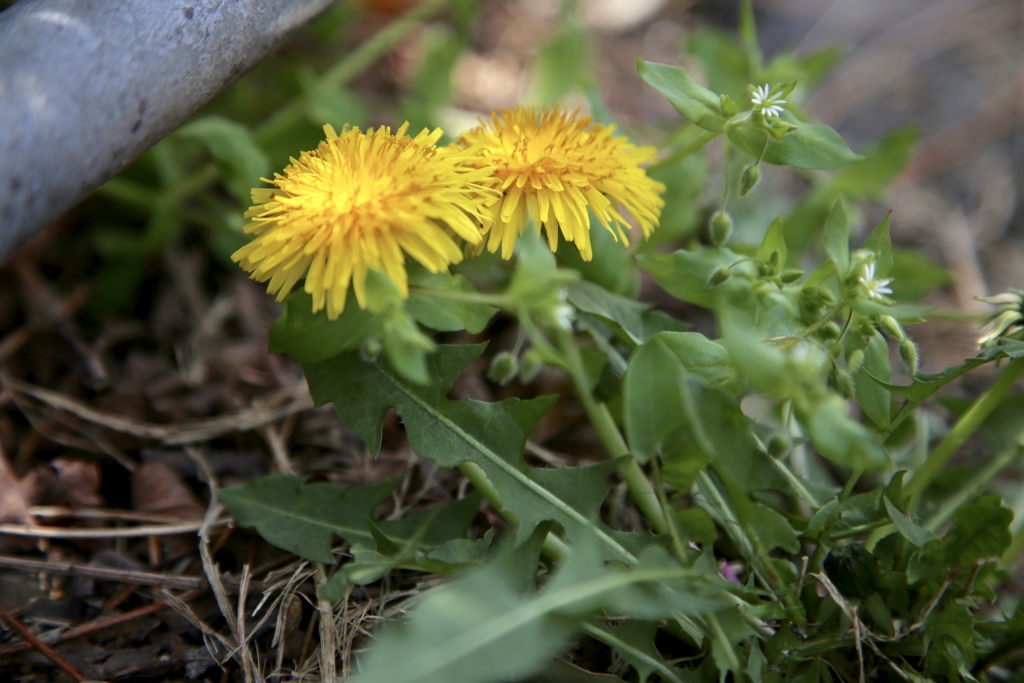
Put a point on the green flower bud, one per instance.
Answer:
(843, 383)
(749, 178)
(891, 327)
(854, 360)
(908, 352)
(765, 269)
(779, 445)
(853, 570)
(830, 330)
(504, 367)
(718, 276)
(719, 228)
(790, 275)
(531, 363)
(370, 350)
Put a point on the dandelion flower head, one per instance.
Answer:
(363, 201)
(552, 166)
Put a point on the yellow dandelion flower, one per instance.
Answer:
(552, 167)
(361, 201)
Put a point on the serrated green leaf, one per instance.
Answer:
(979, 531)
(773, 530)
(491, 435)
(308, 337)
(441, 313)
(479, 629)
(303, 518)
(810, 145)
(634, 642)
(695, 102)
(234, 149)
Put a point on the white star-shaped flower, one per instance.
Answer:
(876, 289)
(769, 105)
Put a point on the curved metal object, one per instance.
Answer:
(86, 86)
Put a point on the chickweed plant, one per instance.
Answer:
(793, 514)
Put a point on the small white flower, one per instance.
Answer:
(876, 289)
(768, 104)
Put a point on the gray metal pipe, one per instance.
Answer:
(86, 86)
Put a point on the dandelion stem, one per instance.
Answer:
(640, 487)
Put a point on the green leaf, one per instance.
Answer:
(917, 535)
(651, 387)
(684, 274)
(838, 437)
(979, 531)
(562, 63)
(837, 238)
(773, 529)
(723, 62)
(236, 152)
(480, 629)
(327, 103)
(442, 313)
(308, 337)
(874, 399)
(774, 240)
(810, 145)
(883, 162)
(880, 242)
(626, 314)
(914, 276)
(491, 435)
(634, 642)
(303, 518)
(697, 103)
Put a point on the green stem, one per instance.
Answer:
(357, 61)
(972, 487)
(639, 485)
(962, 430)
(554, 547)
(750, 545)
(682, 153)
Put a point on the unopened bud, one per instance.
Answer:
(791, 275)
(370, 350)
(718, 276)
(779, 445)
(855, 360)
(530, 365)
(749, 178)
(720, 227)
(503, 368)
(830, 330)
(843, 383)
(891, 327)
(908, 352)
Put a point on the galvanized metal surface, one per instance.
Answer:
(86, 86)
